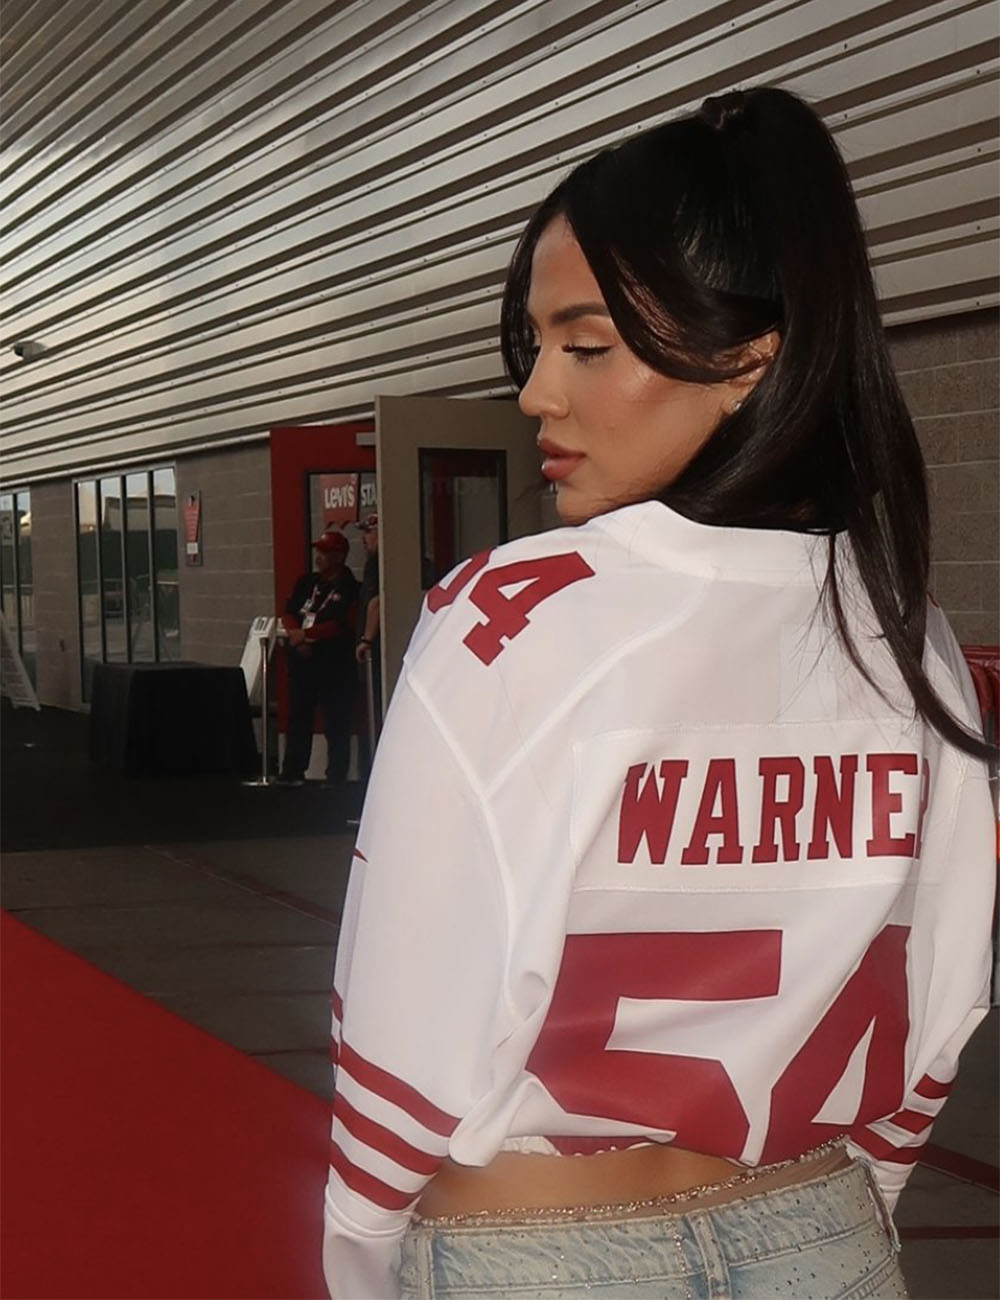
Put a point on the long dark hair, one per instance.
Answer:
(706, 233)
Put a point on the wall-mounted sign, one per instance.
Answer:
(192, 528)
(339, 498)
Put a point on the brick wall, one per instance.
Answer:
(235, 581)
(950, 377)
(53, 563)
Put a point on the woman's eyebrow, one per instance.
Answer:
(575, 311)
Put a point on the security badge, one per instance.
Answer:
(308, 614)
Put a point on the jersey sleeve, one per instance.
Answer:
(893, 1146)
(418, 1000)
(951, 973)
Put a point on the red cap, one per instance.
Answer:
(368, 524)
(332, 541)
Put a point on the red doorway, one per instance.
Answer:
(317, 474)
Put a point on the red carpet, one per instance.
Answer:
(143, 1159)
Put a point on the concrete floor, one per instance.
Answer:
(237, 934)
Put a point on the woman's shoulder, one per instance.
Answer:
(603, 544)
(526, 591)
(947, 667)
(512, 639)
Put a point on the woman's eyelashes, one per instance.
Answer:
(580, 352)
(584, 354)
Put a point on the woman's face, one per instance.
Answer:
(613, 431)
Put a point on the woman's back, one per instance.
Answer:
(707, 879)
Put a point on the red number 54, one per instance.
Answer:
(694, 1096)
(506, 616)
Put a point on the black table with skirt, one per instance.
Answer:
(171, 719)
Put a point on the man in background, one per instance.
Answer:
(319, 622)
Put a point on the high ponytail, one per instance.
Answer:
(740, 221)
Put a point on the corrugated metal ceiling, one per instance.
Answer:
(223, 217)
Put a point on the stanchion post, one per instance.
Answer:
(265, 712)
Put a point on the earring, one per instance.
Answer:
(734, 406)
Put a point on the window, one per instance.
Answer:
(89, 579)
(112, 571)
(17, 591)
(165, 580)
(139, 567)
(8, 563)
(127, 568)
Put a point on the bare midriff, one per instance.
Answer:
(636, 1181)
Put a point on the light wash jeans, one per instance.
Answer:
(828, 1239)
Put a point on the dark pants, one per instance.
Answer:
(334, 687)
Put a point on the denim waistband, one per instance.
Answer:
(759, 1226)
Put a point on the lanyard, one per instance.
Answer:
(311, 606)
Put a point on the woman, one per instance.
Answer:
(670, 908)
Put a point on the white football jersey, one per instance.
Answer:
(645, 858)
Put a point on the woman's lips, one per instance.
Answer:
(559, 461)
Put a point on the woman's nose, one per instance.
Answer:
(542, 396)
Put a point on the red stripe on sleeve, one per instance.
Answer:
(883, 1150)
(930, 1088)
(358, 854)
(382, 1139)
(401, 1094)
(367, 1185)
(912, 1120)
(338, 1005)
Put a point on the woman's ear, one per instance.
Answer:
(754, 359)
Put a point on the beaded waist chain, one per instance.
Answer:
(652, 1205)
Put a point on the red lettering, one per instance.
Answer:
(834, 808)
(695, 1096)
(508, 615)
(775, 811)
(440, 597)
(645, 812)
(692, 1096)
(887, 802)
(720, 786)
(875, 995)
